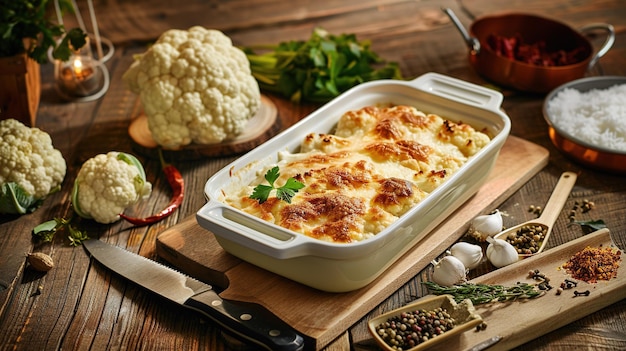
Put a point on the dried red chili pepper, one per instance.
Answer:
(177, 184)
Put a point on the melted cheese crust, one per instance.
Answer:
(378, 164)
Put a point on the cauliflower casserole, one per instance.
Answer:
(378, 164)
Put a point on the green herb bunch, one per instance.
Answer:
(25, 27)
(318, 69)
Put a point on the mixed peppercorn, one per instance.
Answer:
(527, 239)
(409, 329)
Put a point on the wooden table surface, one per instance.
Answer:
(76, 306)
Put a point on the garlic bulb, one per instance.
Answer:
(486, 225)
(448, 271)
(500, 253)
(469, 254)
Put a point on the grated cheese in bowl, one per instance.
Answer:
(596, 117)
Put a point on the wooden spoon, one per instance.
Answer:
(549, 214)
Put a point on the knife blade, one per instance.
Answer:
(249, 321)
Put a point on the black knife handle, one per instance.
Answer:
(248, 320)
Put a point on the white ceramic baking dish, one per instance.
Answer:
(344, 267)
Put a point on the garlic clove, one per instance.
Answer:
(486, 225)
(501, 253)
(469, 254)
(448, 271)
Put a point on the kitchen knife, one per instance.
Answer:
(247, 320)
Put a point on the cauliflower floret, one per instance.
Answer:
(195, 86)
(107, 184)
(28, 158)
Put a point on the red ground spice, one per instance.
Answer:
(593, 264)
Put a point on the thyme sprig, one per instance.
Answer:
(485, 293)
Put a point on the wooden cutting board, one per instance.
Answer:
(321, 316)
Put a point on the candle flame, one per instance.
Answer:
(78, 65)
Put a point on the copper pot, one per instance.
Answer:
(588, 154)
(524, 76)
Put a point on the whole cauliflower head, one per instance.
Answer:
(28, 159)
(195, 86)
(107, 184)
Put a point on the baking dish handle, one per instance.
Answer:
(448, 87)
(250, 232)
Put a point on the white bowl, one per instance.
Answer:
(338, 267)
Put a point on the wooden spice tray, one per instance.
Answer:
(520, 321)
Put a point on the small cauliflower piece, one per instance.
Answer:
(107, 184)
(30, 167)
(195, 86)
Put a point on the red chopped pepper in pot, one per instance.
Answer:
(177, 184)
(537, 53)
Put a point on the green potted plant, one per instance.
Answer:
(27, 33)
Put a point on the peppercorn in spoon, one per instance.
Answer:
(530, 237)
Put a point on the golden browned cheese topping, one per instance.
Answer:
(376, 165)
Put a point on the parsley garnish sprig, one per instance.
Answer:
(286, 192)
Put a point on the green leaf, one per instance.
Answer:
(46, 230)
(286, 192)
(74, 39)
(261, 192)
(590, 226)
(47, 226)
(15, 200)
(272, 175)
(133, 161)
(293, 184)
(76, 236)
(75, 203)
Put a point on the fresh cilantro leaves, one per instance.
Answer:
(319, 68)
(286, 192)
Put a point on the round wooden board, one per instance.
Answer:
(261, 127)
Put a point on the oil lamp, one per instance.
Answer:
(80, 76)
